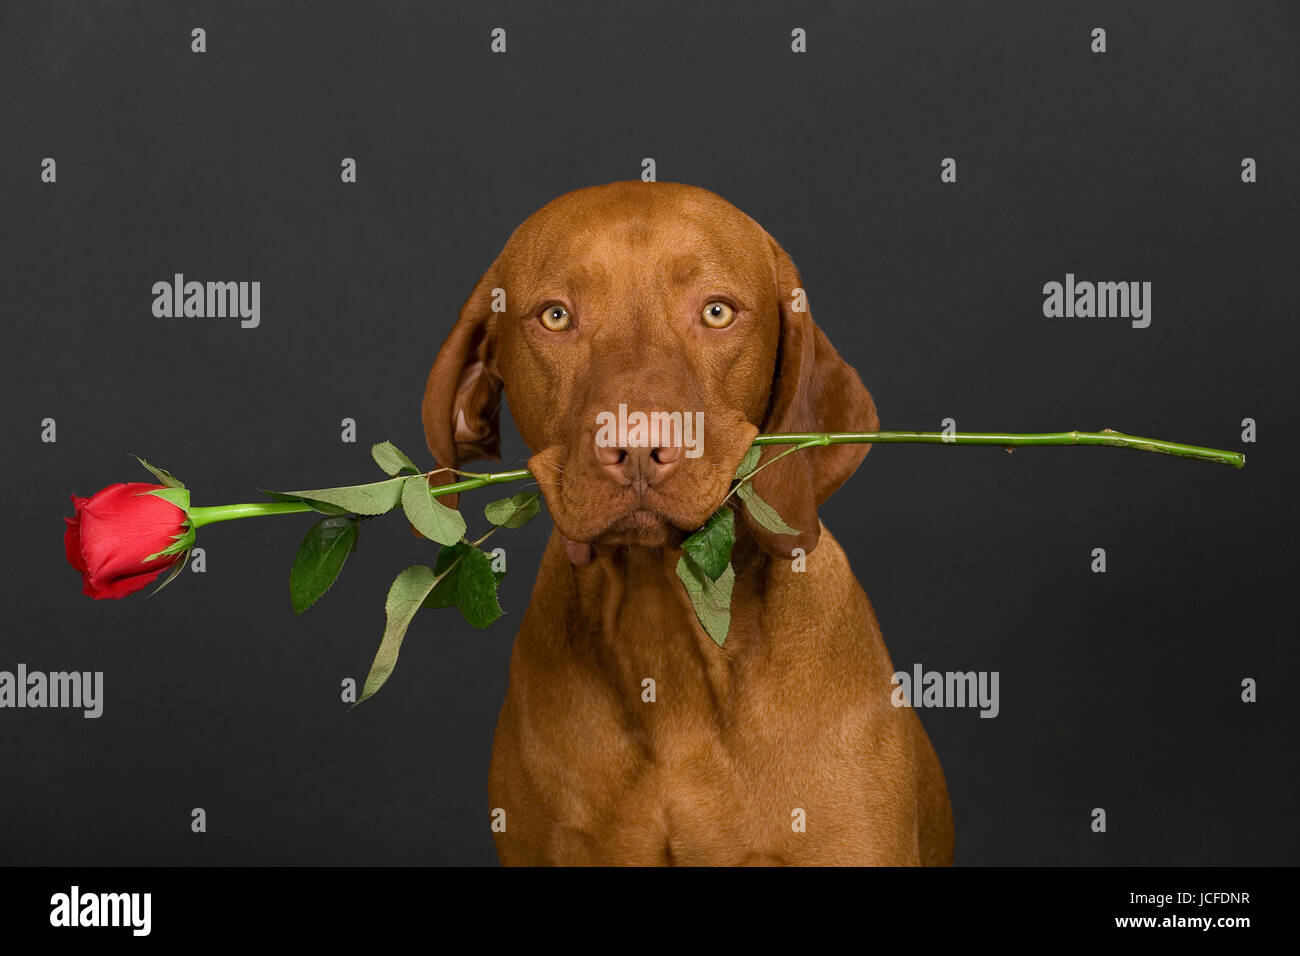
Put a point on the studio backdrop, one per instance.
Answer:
(951, 180)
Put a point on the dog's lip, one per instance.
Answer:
(658, 513)
(600, 514)
(578, 552)
(640, 518)
(640, 525)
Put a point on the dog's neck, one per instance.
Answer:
(629, 618)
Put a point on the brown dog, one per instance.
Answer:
(782, 745)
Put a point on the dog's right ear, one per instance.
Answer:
(814, 390)
(462, 399)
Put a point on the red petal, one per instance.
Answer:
(121, 526)
(121, 587)
(72, 544)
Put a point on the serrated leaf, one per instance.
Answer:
(514, 512)
(409, 589)
(750, 461)
(711, 599)
(390, 458)
(430, 516)
(447, 567)
(763, 513)
(164, 477)
(319, 560)
(710, 547)
(375, 498)
(317, 506)
(476, 588)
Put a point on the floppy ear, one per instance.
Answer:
(813, 390)
(462, 400)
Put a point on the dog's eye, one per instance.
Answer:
(718, 315)
(556, 318)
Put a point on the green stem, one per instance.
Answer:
(1008, 440)
(798, 441)
(469, 484)
(795, 446)
(210, 515)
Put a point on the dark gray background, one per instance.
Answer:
(1118, 690)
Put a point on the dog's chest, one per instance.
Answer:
(629, 737)
(666, 704)
(675, 687)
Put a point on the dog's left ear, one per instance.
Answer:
(813, 390)
(462, 400)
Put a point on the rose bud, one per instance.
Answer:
(124, 536)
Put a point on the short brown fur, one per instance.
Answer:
(793, 712)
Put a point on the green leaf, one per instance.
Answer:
(177, 568)
(750, 461)
(514, 512)
(430, 516)
(373, 499)
(476, 593)
(711, 599)
(390, 458)
(319, 560)
(164, 477)
(763, 513)
(180, 497)
(447, 567)
(319, 506)
(410, 588)
(710, 547)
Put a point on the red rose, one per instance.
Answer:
(115, 531)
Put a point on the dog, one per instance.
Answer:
(627, 735)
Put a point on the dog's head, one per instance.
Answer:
(614, 303)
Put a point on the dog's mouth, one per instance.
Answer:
(588, 512)
(642, 526)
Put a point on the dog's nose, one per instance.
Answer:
(642, 466)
